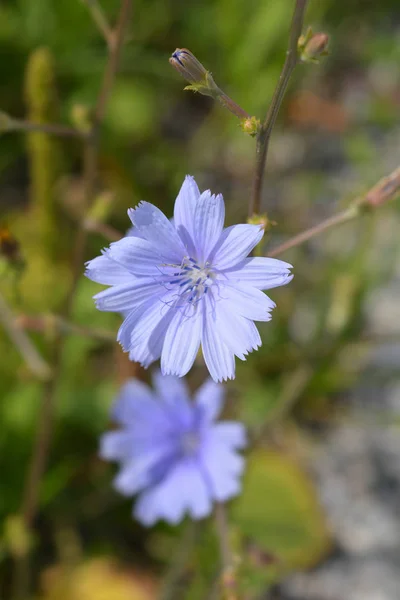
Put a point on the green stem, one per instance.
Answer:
(264, 135)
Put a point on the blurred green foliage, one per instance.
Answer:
(155, 133)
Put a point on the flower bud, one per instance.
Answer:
(202, 81)
(262, 220)
(193, 71)
(188, 66)
(313, 46)
(250, 125)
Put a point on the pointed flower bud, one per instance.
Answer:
(202, 81)
(188, 66)
(313, 46)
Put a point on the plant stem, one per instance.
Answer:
(100, 20)
(176, 572)
(58, 130)
(386, 189)
(264, 135)
(36, 363)
(49, 322)
(228, 567)
(304, 236)
(107, 231)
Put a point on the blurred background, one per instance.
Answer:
(319, 518)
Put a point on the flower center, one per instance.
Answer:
(189, 443)
(192, 280)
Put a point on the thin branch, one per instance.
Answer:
(100, 20)
(292, 59)
(113, 61)
(54, 323)
(26, 348)
(52, 129)
(385, 190)
(107, 231)
(297, 240)
(228, 580)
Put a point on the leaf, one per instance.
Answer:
(280, 513)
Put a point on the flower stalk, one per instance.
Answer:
(263, 136)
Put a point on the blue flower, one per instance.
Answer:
(171, 451)
(188, 283)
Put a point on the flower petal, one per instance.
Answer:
(231, 433)
(261, 272)
(182, 490)
(182, 342)
(128, 296)
(223, 468)
(143, 331)
(134, 399)
(169, 387)
(185, 205)
(174, 394)
(137, 255)
(218, 358)
(144, 469)
(157, 229)
(209, 219)
(131, 319)
(234, 245)
(116, 445)
(106, 271)
(156, 312)
(246, 301)
(209, 398)
(149, 348)
(239, 334)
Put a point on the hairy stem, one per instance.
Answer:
(264, 135)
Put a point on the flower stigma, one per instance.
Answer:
(192, 280)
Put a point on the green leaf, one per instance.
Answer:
(280, 513)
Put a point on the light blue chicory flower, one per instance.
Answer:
(171, 451)
(188, 282)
